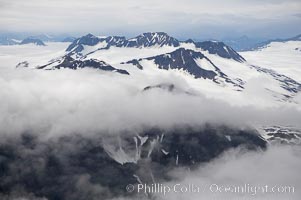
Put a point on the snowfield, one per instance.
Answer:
(260, 89)
(10, 56)
(283, 57)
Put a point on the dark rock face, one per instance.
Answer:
(77, 45)
(189, 41)
(22, 64)
(283, 134)
(134, 62)
(219, 48)
(168, 87)
(183, 59)
(144, 40)
(152, 39)
(117, 41)
(79, 168)
(33, 41)
(55, 171)
(69, 62)
(188, 147)
(91, 40)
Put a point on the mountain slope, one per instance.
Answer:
(282, 57)
(208, 67)
(266, 43)
(69, 62)
(59, 169)
(150, 39)
(189, 61)
(77, 45)
(242, 43)
(220, 49)
(35, 41)
(183, 59)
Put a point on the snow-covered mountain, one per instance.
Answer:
(264, 44)
(68, 62)
(31, 40)
(211, 68)
(16, 38)
(220, 49)
(149, 39)
(181, 59)
(243, 43)
(188, 61)
(197, 62)
(152, 104)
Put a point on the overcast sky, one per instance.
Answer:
(183, 19)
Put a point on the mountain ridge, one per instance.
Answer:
(148, 39)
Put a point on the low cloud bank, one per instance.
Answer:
(277, 167)
(60, 102)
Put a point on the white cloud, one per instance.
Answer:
(87, 101)
(132, 16)
(278, 166)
